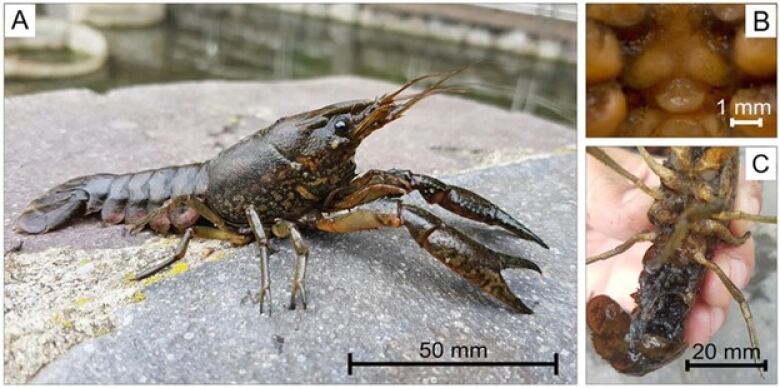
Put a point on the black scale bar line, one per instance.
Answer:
(352, 364)
(689, 365)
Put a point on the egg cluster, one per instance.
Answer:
(666, 70)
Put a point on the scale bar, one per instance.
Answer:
(352, 364)
(763, 365)
(759, 122)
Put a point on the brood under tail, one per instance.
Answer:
(118, 197)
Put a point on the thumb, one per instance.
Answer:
(748, 200)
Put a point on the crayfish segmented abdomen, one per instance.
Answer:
(118, 198)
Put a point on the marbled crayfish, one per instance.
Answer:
(297, 173)
(690, 218)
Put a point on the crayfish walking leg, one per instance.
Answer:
(262, 249)
(286, 229)
(220, 233)
(280, 229)
(178, 253)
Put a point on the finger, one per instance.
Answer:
(624, 276)
(598, 242)
(598, 275)
(599, 272)
(703, 322)
(713, 292)
(745, 253)
(748, 199)
(618, 212)
(614, 206)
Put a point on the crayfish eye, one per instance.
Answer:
(341, 125)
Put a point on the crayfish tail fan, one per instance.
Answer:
(52, 209)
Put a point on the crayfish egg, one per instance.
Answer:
(680, 95)
(756, 57)
(692, 126)
(649, 68)
(642, 122)
(606, 109)
(705, 65)
(728, 12)
(603, 57)
(617, 15)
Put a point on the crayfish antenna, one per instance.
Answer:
(444, 76)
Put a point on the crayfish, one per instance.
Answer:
(298, 173)
(690, 216)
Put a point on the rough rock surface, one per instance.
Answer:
(375, 294)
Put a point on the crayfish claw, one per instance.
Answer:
(507, 297)
(479, 265)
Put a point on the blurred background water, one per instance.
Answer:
(258, 42)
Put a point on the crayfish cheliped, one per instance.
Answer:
(297, 173)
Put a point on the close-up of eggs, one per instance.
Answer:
(672, 70)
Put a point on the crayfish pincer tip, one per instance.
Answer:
(521, 308)
(509, 261)
(520, 230)
(526, 234)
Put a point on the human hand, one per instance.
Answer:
(617, 210)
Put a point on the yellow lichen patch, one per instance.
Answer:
(138, 296)
(84, 261)
(152, 279)
(60, 320)
(178, 268)
(101, 331)
(128, 278)
(175, 269)
(83, 301)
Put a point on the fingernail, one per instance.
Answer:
(754, 205)
(751, 201)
